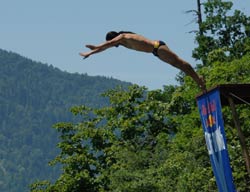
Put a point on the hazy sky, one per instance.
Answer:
(55, 31)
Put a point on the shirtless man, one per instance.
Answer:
(139, 43)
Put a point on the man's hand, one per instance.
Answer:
(95, 49)
(85, 55)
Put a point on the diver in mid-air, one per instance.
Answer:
(139, 43)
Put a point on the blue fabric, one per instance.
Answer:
(213, 126)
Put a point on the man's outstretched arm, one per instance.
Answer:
(102, 47)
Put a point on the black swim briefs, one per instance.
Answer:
(157, 44)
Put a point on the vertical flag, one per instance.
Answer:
(212, 122)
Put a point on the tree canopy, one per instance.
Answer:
(148, 140)
(153, 140)
(222, 29)
(33, 97)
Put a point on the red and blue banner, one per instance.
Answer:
(212, 122)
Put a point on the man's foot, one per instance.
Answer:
(202, 84)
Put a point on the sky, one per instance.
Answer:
(53, 32)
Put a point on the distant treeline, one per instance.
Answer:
(33, 97)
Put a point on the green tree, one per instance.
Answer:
(33, 97)
(153, 140)
(233, 72)
(116, 143)
(148, 140)
(221, 29)
(135, 144)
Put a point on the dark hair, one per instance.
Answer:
(112, 34)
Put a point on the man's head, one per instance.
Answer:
(111, 35)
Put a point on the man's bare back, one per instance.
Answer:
(139, 43)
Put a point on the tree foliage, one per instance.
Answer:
(153, 140)
(222, 29)
(33, 97)
(148, 140)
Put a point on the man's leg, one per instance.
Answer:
(166, 55)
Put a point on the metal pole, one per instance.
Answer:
(240, 134)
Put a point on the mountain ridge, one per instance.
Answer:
(33, 97)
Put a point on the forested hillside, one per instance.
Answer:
(33, 97)
(152, 141)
